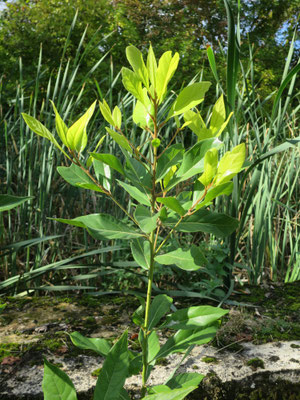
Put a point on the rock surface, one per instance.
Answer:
(278, 362)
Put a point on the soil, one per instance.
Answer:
(35, 327)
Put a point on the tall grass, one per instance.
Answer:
(265, 197)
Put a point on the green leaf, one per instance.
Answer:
(98, 345)
(110, 160)
(152, 66)
(134, 192)
(160, 305)
(185, 379)
(106, 112)
(7, 202)
(138, 315)
(194, 317)
(176, 394)
(133, 84)
(38, 127)
(102, 226)
(114, 371)
(117, 117)
(135, 58)
(167, 66)
(230, 164)
(124, 395)
(188, 260)
(76, 134)
(172, 156)
(141, 113)
(140, 250)
(146, 220)
(120, 139)
(173, 204)
(220, 190)
(77, 177)
(61, 127)
(56, 384)
(185, 338)
(153, 345)
(210, 166)
(189, 98)
(218, 115)
(206, 221)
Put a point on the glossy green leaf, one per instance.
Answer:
(189, 98)
(189, 260)
(210, 166)
(206, 221)
(124, 395)
(176, 394)
(194, 317)
(75, 176)
(140, 250)
(114, 371)
(98, 345)
(185, 379)
(106, 112)
(102, 226)
(135, 58)
(152, 66)
(7, 202)
(134, 192)
(146, 220)
(117, 117)
(110, 160)
(173, 204)
(61, 127)
(160, 305)
(185, 338)
(167, 66)
(133, 84)
(230, 164)
(56, 384)
(76, 134)
(120, 139)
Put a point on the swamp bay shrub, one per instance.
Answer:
(171, 187)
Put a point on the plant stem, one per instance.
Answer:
(152, 241)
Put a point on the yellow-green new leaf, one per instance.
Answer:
(218, 115)
(135, 58)
(141, 113)
(166, 68)
(133, 84)
(117, 117)
(152, 66)
(106, 112)
(210, 166)
(230, 164)
(61, 127)
(189, 98)
(76, 134)
(38, 128)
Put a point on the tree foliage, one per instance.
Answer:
(186, 26)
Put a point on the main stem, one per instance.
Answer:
(145, 328)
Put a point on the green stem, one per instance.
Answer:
(145, 328)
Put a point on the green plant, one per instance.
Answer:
(170, 188)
